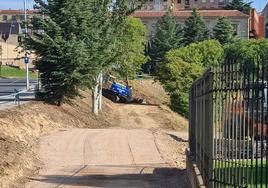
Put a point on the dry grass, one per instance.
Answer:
(151, 91)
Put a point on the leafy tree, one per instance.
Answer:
(132, 46)
(239, 5)
(184, 65)
(195, 29)
(223, 30)
(168, 36)
(75, 42)
(248, 53)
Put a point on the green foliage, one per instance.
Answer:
(247, 52)
(79, 39)
(168, 36)
(195, 29)
(239, 5)
(184, 65)
(132, 48)
(223, 30)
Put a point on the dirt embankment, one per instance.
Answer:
(20, 128)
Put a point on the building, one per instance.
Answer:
(265, 15)
(16, 15)
(10, 30)
(256, 26)
(240, 21)
(163, 5)
(210, 10)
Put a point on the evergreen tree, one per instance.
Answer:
(239, 5)
(75, 42)
(195, 29)
(168, 36)
(223, 30)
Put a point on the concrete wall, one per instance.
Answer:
(242, 24)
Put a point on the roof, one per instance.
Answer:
(16, 12)
(7, 28)
(187, 13)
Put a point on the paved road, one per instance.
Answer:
(112, 158)
(7, 89)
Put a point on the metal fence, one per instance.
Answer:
(228, 125)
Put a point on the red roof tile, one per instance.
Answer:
(187, 13)
(18, 12)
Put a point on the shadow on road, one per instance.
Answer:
(161, 177)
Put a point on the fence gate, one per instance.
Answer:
(228, 125)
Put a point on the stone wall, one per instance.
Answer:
(242, 24)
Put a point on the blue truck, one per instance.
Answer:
(118, 93)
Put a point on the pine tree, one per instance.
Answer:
(223, 30)
(168, 36)
(195, 29)
(239, 5)
(75, 43)
(57, 52)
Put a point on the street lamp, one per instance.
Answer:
(26, 61)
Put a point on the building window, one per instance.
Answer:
(235, 28)
(5, 18)
(22, 17)
(14, 18)
(266, 30)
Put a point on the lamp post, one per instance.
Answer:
(25, 16)
(26, 61)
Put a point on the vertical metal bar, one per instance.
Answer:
(215, 141)
(239, 74)
(225, 149)
(252, 83)
(266, 119)
(262, 120)
(256, 128)
(222, 118)
(232, 124)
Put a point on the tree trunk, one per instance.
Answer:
(97, 94)
(100, 91)
(95, 99)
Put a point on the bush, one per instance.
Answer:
(183, 66)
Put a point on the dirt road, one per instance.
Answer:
(138, 153)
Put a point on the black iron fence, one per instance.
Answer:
(228, 125)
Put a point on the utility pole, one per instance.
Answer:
(25, 16)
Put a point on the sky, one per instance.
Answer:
(18, 4)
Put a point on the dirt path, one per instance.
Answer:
(138, 153)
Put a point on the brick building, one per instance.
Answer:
(256, 26)
(163, 5)
(210, 10)
(265, 15)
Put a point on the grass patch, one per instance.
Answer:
(11, 72)
(251, 173)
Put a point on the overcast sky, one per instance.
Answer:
(18, 4)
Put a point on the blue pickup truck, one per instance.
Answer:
(118, 93)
